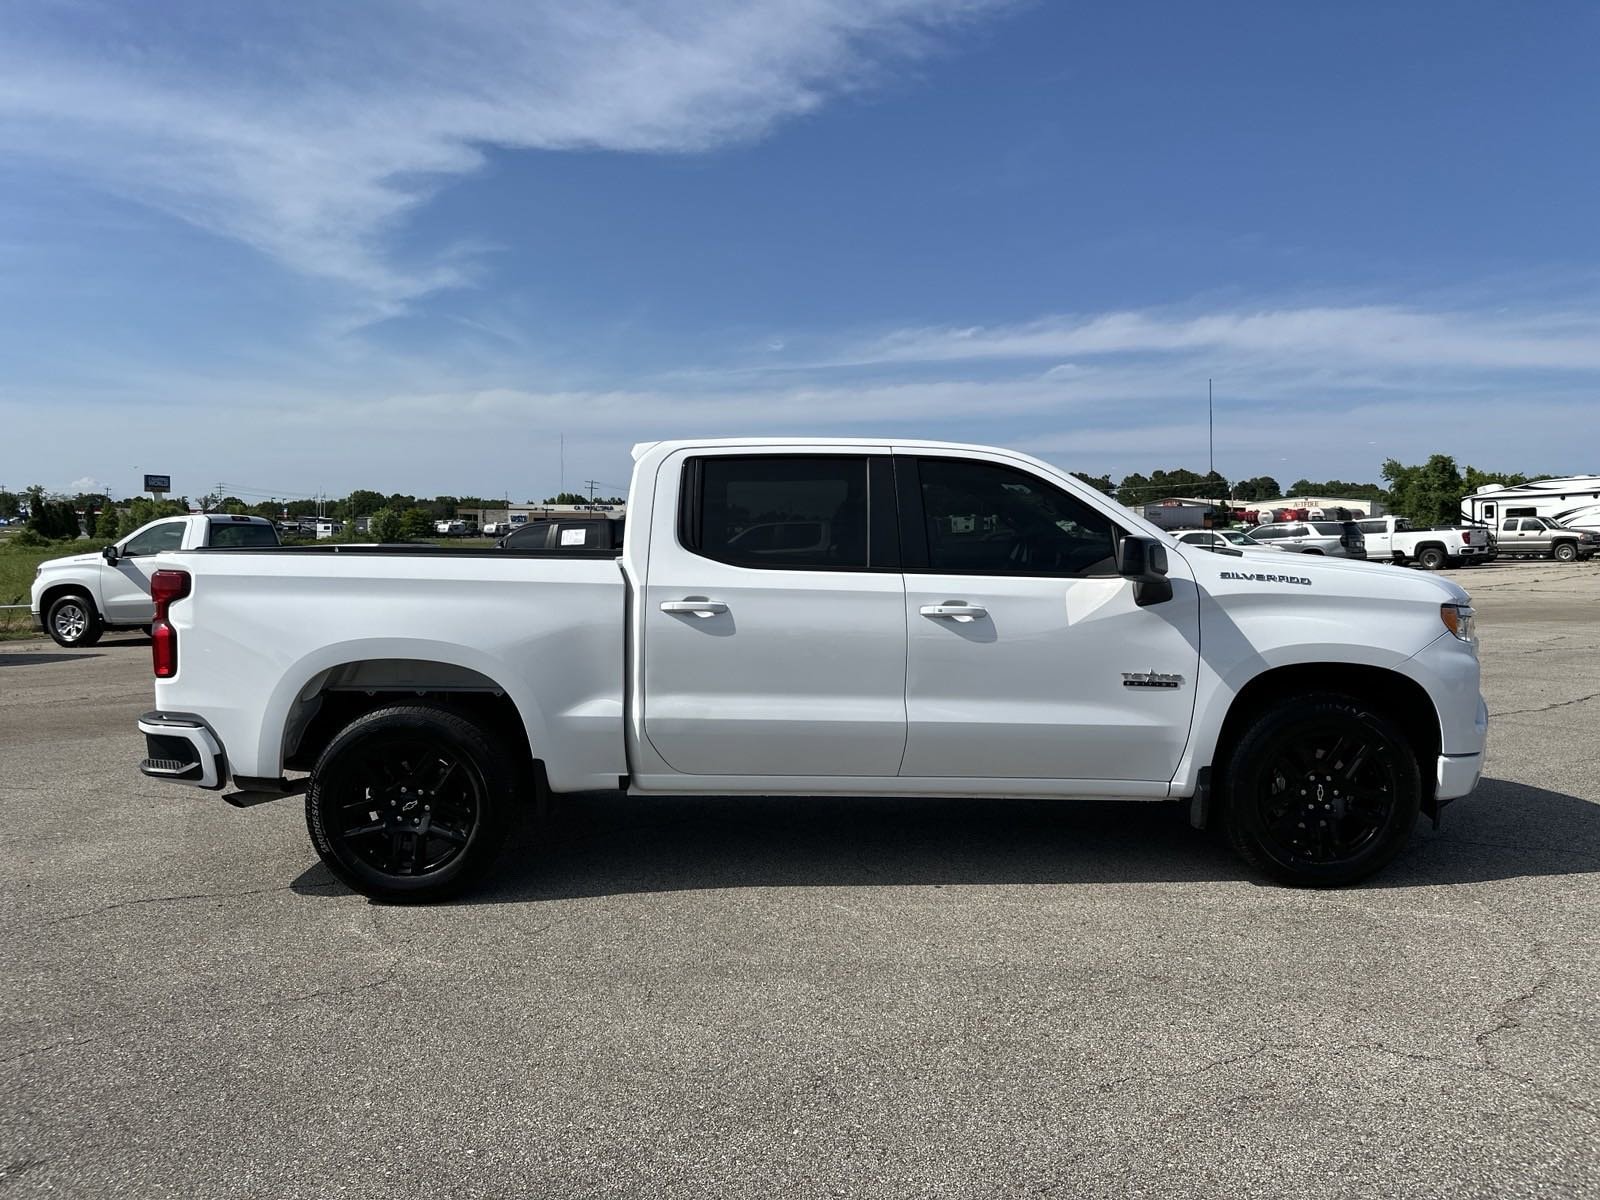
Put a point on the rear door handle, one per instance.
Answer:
(957, 612)
(700, 608)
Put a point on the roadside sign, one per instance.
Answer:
(158, 483)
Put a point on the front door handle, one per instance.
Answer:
(700, 608)
(956, 612)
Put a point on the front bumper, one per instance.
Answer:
(182, 748)
(1457, 775)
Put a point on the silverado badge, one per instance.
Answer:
(1150, 679)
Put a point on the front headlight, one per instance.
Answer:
(1460, 620)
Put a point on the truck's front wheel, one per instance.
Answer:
(1564, 552)
(410, 803)
(73, 621)
(1320, 791)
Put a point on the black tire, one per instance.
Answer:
(73, 621)
(1431, 558)
(1564, 552)
(415, 758)
(1282, 809)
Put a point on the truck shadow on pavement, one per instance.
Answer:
(609, 844)
(41, 660)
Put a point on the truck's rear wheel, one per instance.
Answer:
(1431, 558)
(1320, 791)
(73, 621)
(410, 803)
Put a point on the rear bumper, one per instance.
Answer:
(182, 748)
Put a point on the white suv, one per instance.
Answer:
(1336, 539)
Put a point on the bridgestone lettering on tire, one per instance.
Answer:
(1320, 791)
(410, 803)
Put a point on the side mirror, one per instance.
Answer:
(110, 555)
(1144, 560)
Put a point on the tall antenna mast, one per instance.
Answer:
(1211, 440)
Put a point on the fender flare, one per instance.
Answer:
(311, 669)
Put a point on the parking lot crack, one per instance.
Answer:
(1517, 712)
(387, 975)
(179, 898)
(1512, 1011)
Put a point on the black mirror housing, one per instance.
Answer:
(1144, 560)
(110, 555)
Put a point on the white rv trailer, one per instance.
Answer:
(1572, 500)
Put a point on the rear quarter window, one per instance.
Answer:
(235, 536)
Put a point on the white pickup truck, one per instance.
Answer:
(77, 598)
(819, 616)
(1391, 539)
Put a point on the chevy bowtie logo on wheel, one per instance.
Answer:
(1150, 679)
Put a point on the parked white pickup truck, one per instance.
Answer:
(77, 598)
(906, 618)
(1391, 539)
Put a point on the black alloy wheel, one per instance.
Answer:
(409, 803)
(1322, 791)
(406, 808)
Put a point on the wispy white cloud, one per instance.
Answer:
(311, 131)
(1357, 336)
(1301, 401)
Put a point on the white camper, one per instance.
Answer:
(1573, 500)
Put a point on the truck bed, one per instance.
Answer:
(285, 624)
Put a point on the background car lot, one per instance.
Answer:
(863, 997)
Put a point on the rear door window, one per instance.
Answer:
(801, 512)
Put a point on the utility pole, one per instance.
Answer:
(591, 485)
(563, 476)
(1211, 440)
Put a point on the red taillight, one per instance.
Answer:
(165, 587)
(1466, 538)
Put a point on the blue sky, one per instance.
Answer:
(405, 245)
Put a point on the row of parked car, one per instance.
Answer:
(1392, 539)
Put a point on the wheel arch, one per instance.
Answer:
(1398, 696)
(56, 590)
(315, 701)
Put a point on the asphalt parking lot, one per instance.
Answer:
(750, 997)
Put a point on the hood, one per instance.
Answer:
(71, 560)
(1351, 577)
